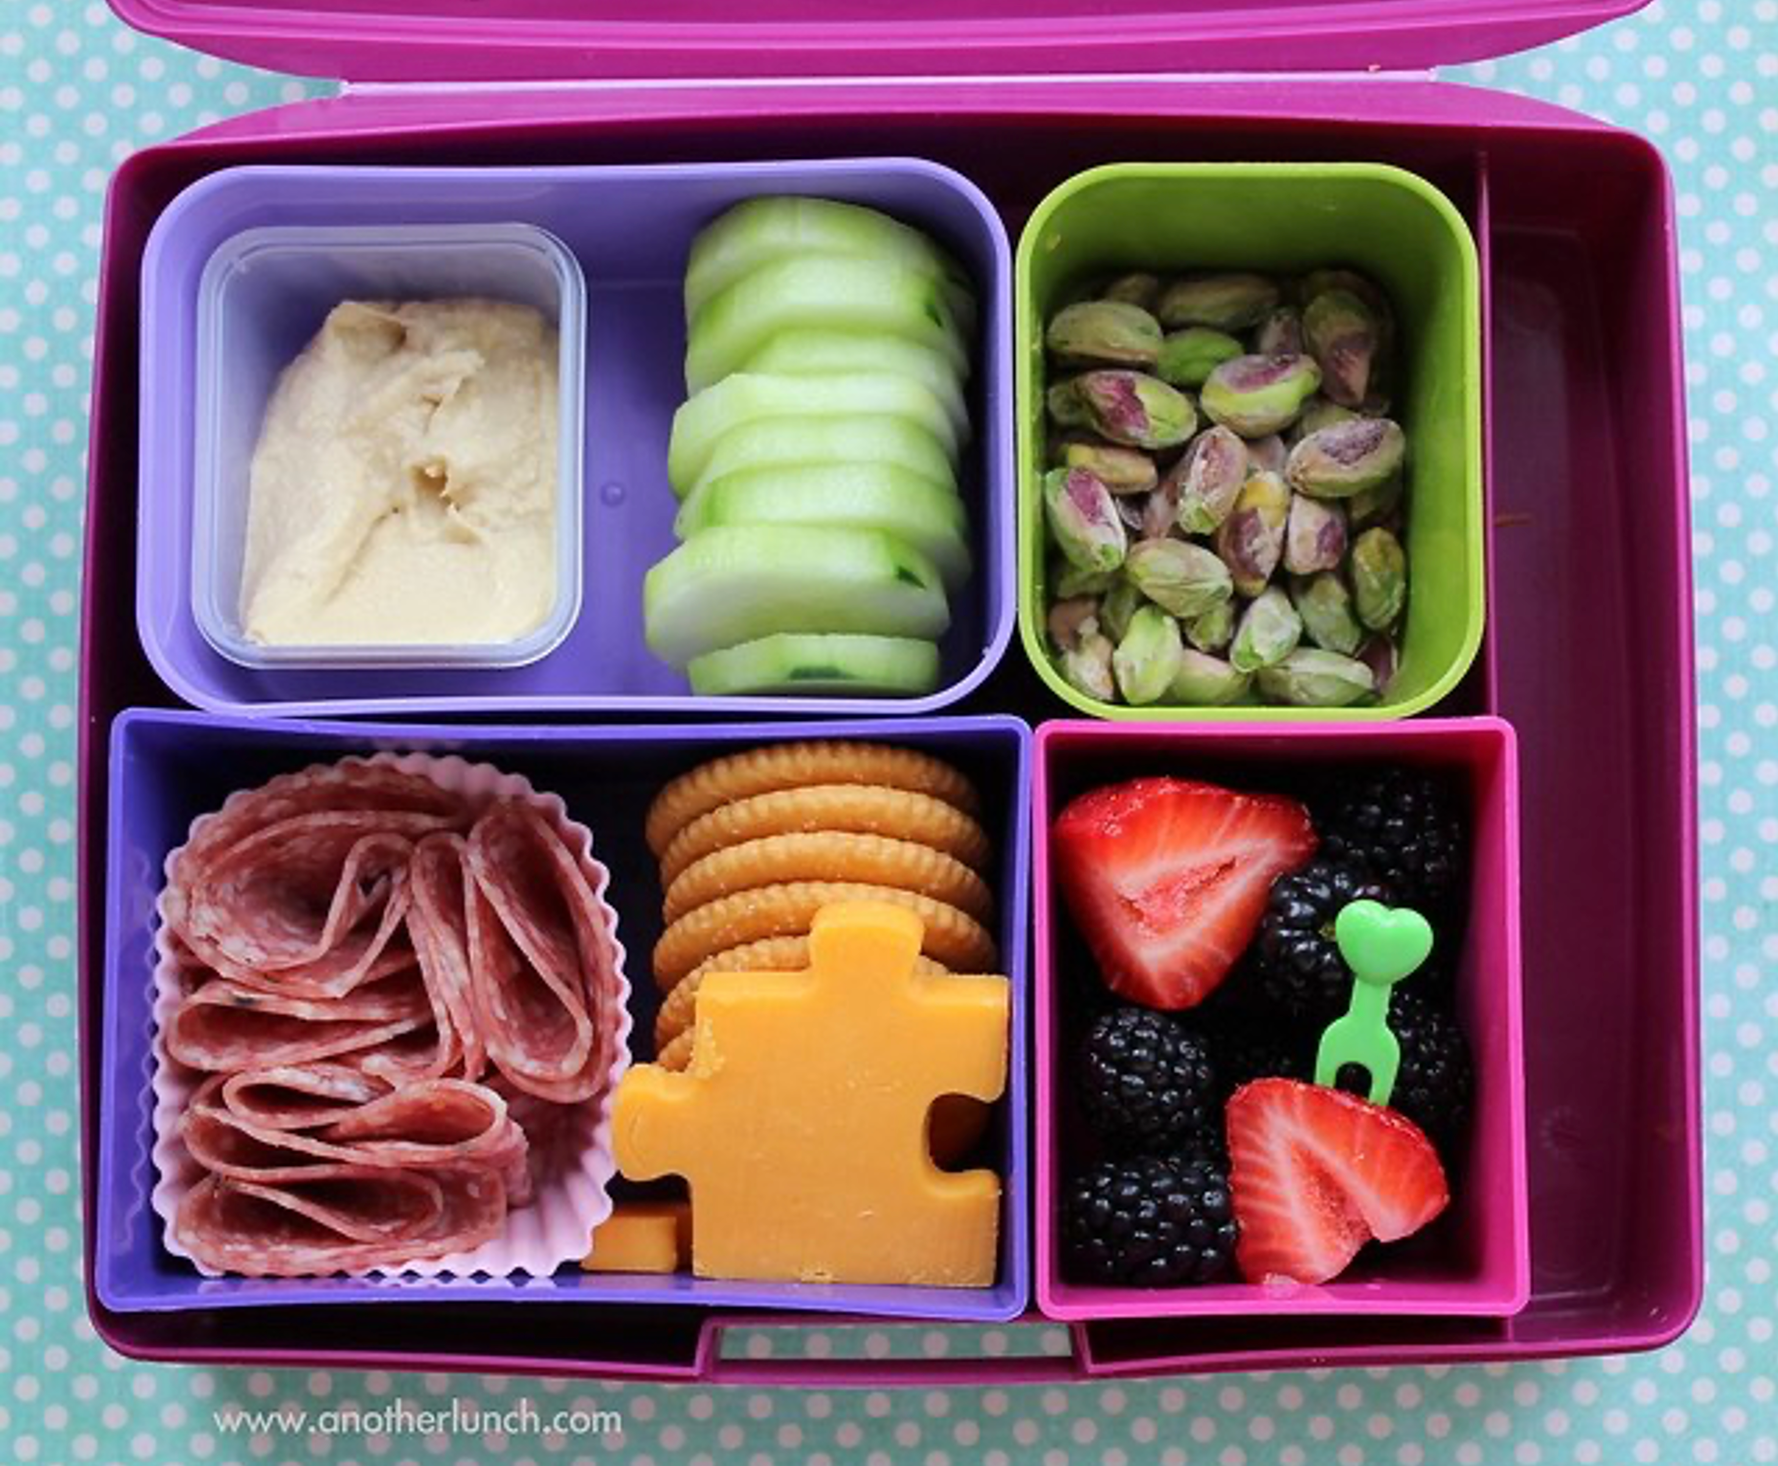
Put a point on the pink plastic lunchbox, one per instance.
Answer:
(1587, 538)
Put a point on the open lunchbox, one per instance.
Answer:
(1585, 523)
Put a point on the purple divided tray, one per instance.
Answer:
(170, 767)
(1475, 1260)
(630, 230)
(1573, 221)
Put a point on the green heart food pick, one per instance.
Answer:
(1381, 945)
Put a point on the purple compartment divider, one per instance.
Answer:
(168, 767)
(1475, 1259)
(630, 228)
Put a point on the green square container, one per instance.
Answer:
(1287, 218)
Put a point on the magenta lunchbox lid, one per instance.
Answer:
(422, 40)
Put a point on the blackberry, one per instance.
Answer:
(1243, 1052)
(1145, 1079)
(1152, 1221)
(1436, 1078)
(1407, 829)
(1209, 1145)
(1294, 959)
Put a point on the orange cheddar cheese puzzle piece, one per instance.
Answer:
(641, 1237)
(801, 1122)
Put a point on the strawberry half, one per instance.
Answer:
(1167, 880)
(1316, 1173)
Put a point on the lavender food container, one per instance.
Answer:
(262, 295)
(1584, 439)
(627, 231)
(170, 767)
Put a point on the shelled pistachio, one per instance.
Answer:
(1136, 288)
(1208, 478)
(1147, 657)
(1207, 682)
(1067, 580)
(1311, 678)
(1268, 631)
(1314, 535)
(1340, 332)
(1117, 606)
(1214, 629)
(1347, 458)
(1083, 519)
(1122, 470)
(1325, 605)
(1188, 357)
(1135, 409)
(1105, 333)
(1226, 301)
(1379, 579)
(1258, 395)
(1183, 579)
(1251, 540)
(1280, 333)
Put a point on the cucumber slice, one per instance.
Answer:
(760, 230)
(830, 291)
(816, 353)
(742, 582)
(929, 516)
(701, 422)
(775, 442)
(891, 665)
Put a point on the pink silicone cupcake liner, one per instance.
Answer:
(573, 1184)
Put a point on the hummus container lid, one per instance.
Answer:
(262, 296)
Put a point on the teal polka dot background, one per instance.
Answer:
(78, 92)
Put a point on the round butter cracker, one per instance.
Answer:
(788, 910)
(792, 766)
(855, 809)
(829, 856)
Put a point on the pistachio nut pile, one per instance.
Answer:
(1227, 492)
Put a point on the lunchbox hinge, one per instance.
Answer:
(606, 85)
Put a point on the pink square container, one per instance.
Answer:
(1584, 420)
(1474, 1260)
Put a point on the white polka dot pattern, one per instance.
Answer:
(78, 92)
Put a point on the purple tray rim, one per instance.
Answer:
(1004, 1300)
(995, 575)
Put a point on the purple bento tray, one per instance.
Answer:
(1476, 1258)
(1574, 223)
(170, 767)
(630, 229)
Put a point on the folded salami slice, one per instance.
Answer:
(351, 1219)
(306, 906)
(540, 954)
(224, 1027)
(438, 927)
(350, 784)
(441, 1121)
(298, 1096)
(438, 1125)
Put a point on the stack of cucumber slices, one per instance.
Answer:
(828, 349)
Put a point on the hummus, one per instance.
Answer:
(404, 486)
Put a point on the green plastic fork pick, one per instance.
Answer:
(1381, 945)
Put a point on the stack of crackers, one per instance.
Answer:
(751, 846)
